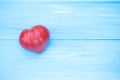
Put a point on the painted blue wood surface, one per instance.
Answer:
(59, 0)
(63, 59)
(64, 20)
(84, 41)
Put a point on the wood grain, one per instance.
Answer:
(84, 44)
(63, 59)
(64, 20)
(59, 1)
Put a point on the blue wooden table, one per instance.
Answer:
(84, 44)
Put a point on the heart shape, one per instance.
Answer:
(35, 39)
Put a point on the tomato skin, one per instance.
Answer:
(35, 39)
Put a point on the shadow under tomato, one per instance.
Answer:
(32, 55)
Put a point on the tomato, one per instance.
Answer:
(35, 39)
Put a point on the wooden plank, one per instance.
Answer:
(62, 59)
(64, 20)
(59, 1)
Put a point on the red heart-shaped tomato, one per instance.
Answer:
(36, 39)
